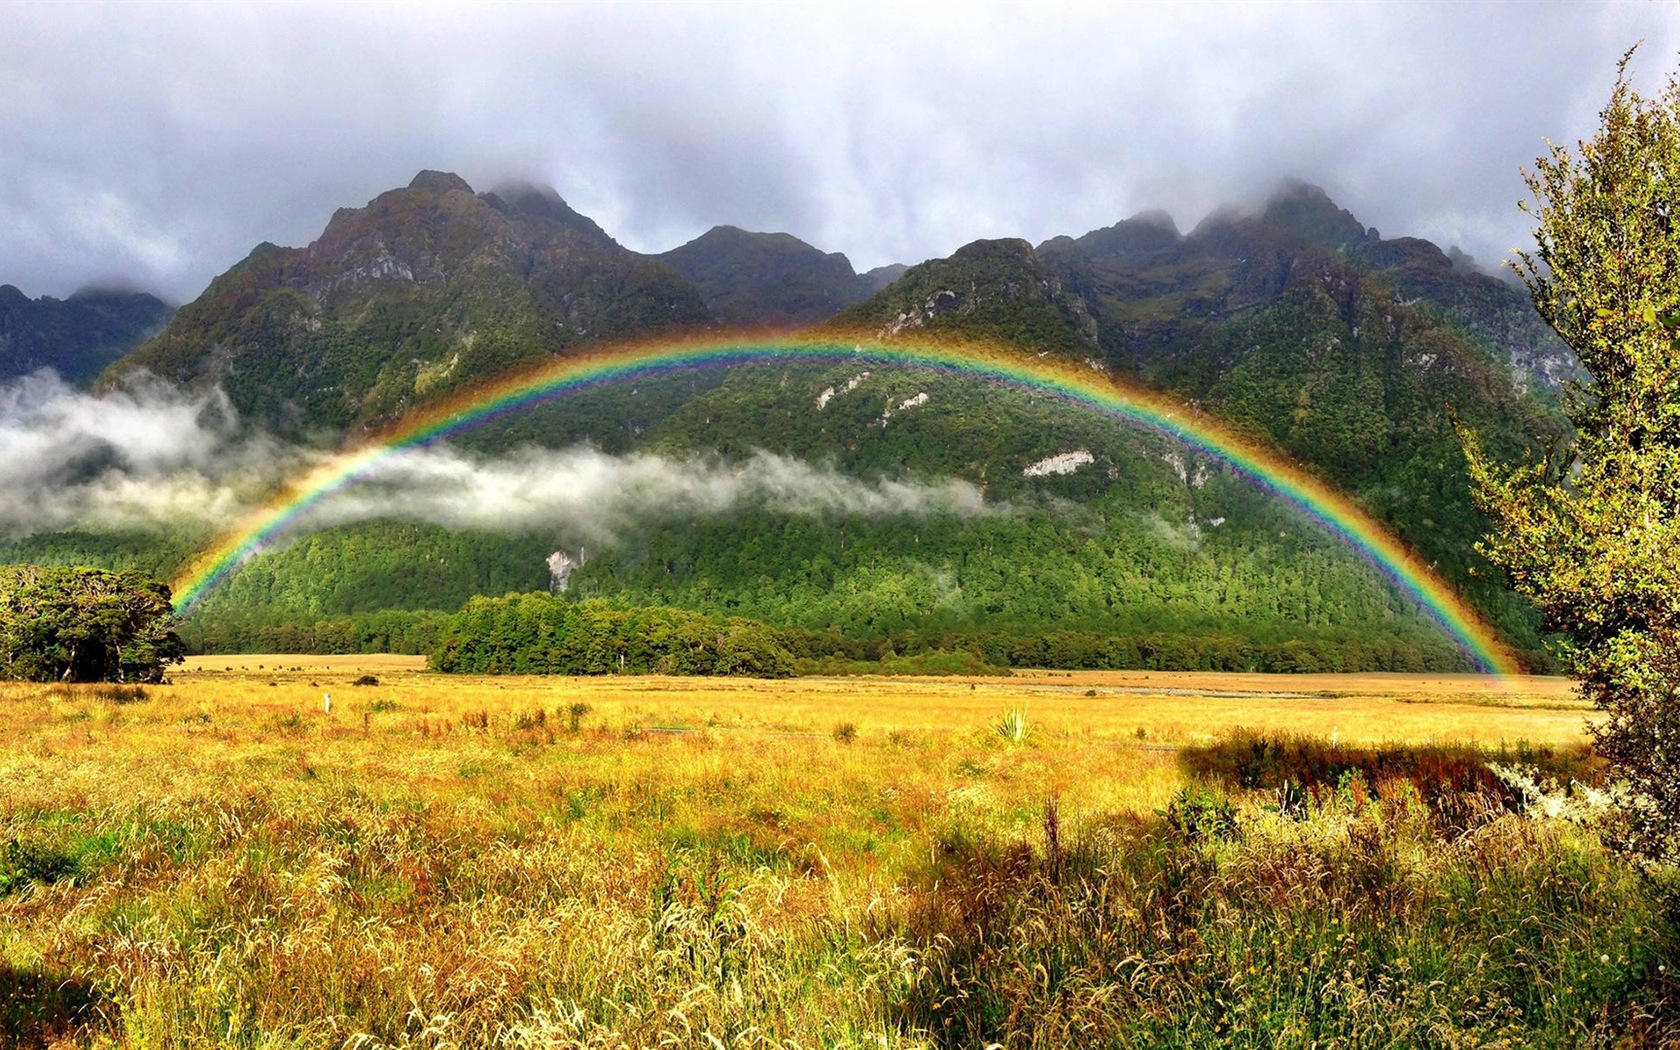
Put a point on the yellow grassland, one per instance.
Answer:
(436, 854)
(1099, 706)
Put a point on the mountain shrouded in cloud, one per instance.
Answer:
(866, 491)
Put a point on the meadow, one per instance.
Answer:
(521, 862)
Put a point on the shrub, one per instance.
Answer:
(548, 634)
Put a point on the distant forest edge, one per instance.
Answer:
(1095, 584)
(540, 633)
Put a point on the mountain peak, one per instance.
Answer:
(757, 279)
(1308, 210)
(536, 201)
(1147, 231)
(439, 182)
(1157, 218)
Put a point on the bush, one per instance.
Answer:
(1200, 815)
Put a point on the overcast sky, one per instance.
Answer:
(157, 145)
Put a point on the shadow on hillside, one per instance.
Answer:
(38, 1007)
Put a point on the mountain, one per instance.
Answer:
(771, 280)
(1097, 543)
(425, 289)
(76, 337)
(997, 290)
(1348, 352)
(1158, 294)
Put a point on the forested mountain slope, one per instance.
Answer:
(1297, 324)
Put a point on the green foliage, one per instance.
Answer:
(1592, 534)
(23, 864)
(84, 625)
(1198, 814)
(373, 587)
(545, 634)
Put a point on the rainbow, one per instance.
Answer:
(1080, 387)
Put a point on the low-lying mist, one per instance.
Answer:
(151, 457)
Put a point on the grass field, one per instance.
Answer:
(521, 862)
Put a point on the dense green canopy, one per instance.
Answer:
(84, 625)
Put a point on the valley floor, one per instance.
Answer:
(443, 861)
(1170, 707)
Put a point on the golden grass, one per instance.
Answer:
(1099, 706)
(439, 861)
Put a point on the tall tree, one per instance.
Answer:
(1592, 534)
(84, 625)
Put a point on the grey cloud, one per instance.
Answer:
(161, 142)
(149, 457)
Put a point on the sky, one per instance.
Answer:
(153, 145)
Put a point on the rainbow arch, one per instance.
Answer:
(1084, 388)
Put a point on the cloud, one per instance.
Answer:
(163, 141)
(599, 496)
(145, 457)
(149, 457)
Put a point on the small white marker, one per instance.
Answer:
(326, 702)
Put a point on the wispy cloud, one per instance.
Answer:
(150, 457)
